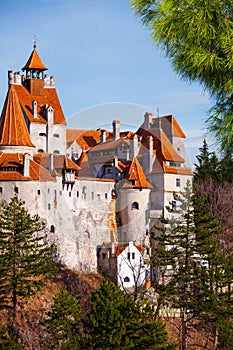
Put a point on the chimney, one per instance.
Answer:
(51, 161)
(26, 164)
(115, 162)
(147, 120)
(148, 156)
(103, 136)
(133, 148)
(34, 109)
(116, 129)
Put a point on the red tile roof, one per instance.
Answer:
(169, 125)
(161, 144)
(59, 161)
(13, 128)
(15, 160)
(34, 62)
(119, 248)
(50, 98)
(135, 174)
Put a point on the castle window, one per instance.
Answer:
(106, 196)
(133, 255)
(38, 192)
(77, 194)
(126, 279)
(69, 194)
(173, 205)
(60, 192)
(135, 206)
(56, 135)
(49, 206)
(128, 255)
(42, 134)
(40, 150)
(92, 195)
(177, 182)
(48, 190)
(56, 151)
(52, 229)
(1, 190)
(16, 189)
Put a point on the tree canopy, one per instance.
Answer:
(116, 321)
(25, 256)
(197, 37)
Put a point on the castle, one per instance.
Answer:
(91, 187)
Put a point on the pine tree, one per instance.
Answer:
(26, 258)
(192, 271)
(116, 321)
(63, 323)
(207, 167)
(6, 342)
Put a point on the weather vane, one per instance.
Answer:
(34, 41)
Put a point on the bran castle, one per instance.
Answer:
(92, 188)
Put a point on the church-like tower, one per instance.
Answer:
(40, 106)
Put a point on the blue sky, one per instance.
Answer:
(105, 64)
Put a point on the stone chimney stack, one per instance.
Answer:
(34, 109)
(116, 129)
(147, 120)
(51, 161)
(133, 148)
(26, 164)
(148, 156)
(103, 136)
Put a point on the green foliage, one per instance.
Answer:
(6, 342)
(193, 272)
(25, 255)
(207, 166)
(116, 321)
(63, 322)
(197, 37)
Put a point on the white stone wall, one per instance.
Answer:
(80, 215)
(133, 220)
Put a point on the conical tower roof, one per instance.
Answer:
(135, 174)
(13, 128)
(34, 62)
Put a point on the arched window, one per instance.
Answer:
(135, 206)
(56, 152)
(40, 150)
(52, 229)
(126, 279)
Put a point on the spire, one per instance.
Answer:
(34, 62)
(13, 128)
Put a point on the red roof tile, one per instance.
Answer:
(135, 175)
(15, 160)
(119, 248)
(13, 128)
(59, 161)
(34, 62)
(50, 98)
